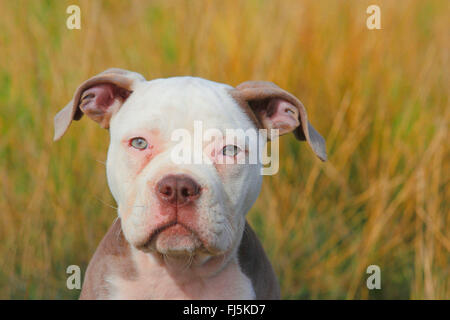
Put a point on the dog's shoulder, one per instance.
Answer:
(112, 253)
(256, 266)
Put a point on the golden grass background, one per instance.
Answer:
(380, 98)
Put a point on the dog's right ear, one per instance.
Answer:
(99, 98)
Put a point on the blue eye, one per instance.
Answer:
(139, 143)
(231, 150)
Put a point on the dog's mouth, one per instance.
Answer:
(174, 238)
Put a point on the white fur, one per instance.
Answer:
(155, 282)
(162, 106)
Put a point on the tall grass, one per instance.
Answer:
(380, 98)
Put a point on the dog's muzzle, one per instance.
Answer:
(178, 230)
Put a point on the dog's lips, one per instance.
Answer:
(174, 238)
(175, 229)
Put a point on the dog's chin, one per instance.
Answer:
(180, 248)
(177, 241)
(174, 240)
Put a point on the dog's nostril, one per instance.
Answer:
(185, 192)
(166, 190)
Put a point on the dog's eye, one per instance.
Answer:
(230, 150)
(139, 143)
(289, 111)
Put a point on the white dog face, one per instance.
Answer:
(179, 208)
(184, 209)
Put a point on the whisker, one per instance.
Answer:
(165, 258)
(102, 162)
(106, 204)
(223, 259)
(120, 229)
(188, 264)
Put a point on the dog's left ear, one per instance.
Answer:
(276, 108)
(98, 97)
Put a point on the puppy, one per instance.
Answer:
(181, 231)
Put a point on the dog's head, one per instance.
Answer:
(187, 207)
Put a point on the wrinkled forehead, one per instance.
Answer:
(179, 103)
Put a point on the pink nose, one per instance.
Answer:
(177, 189)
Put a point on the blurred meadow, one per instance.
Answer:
(379, 97)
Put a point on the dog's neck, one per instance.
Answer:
(167, 277)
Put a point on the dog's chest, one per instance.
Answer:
(155, 282)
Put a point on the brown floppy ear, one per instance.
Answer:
(275, 108)
(99, 98)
